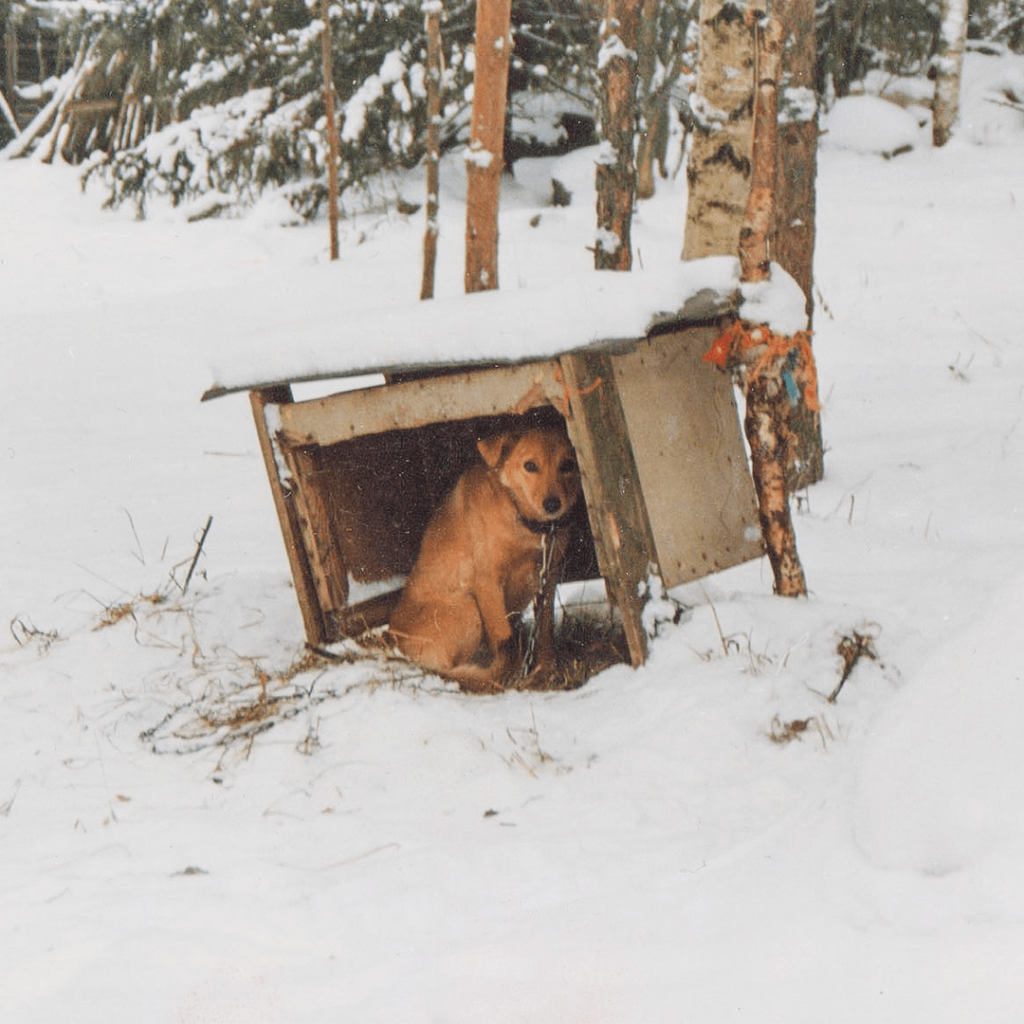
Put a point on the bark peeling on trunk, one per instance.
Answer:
(484, 160)
(616, 174)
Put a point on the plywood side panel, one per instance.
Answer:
(682, 419)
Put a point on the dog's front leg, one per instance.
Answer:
(497, 628)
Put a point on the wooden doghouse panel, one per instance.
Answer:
(681, 417)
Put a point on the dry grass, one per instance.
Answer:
(113, 614)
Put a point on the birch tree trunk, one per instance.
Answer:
(766, 437)
(719, 166)
(767, 398)
(433, 11)
(484, 157)
(616, 174)
(795, 206)
(948, 63)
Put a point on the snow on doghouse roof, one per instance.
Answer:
(509, 326)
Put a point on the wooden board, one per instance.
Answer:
(681, 417)
(611, 486)
(287, 515)
(416, 403)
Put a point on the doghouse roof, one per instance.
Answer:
(506, 327)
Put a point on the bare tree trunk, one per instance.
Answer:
(719, 166)
(484, 157)
(8, 116)
(433, 30)
(767, 397)
(616, 175)
(11, 63)
(647, 58)
(332, 130)
(755, 233)
(948, 63)
(766, 435)
(795, 205)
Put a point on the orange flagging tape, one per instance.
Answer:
(781, 355)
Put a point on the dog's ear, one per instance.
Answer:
(495, 448)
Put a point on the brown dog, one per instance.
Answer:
(493, 546)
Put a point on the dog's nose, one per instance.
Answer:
(552, 505)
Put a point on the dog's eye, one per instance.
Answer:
(567, 466)
(531, 467)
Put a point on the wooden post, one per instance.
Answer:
(484, 159)
(332, 130)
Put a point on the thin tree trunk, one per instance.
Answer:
(332, 131)
(795, 205)
(8, 116)
(433, 31)
(767, 398)
(719, 165)
(755, 233)
(766, 436)
(647, 58)
(948, 63)
(484, 157)
(11, 63)
(616, 175)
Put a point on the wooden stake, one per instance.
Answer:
(332, 131)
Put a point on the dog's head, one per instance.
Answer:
(538, 469)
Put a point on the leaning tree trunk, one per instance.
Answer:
(432, 11)
(484, 159)
(793, 247)
(719, 165)
(948, 63)
(616, 175)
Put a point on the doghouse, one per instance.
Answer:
(356, 475)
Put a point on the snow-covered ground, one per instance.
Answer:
(645, 849)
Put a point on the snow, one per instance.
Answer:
(613, 47)
(488, 327)
(870, 124)
(638, 850)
